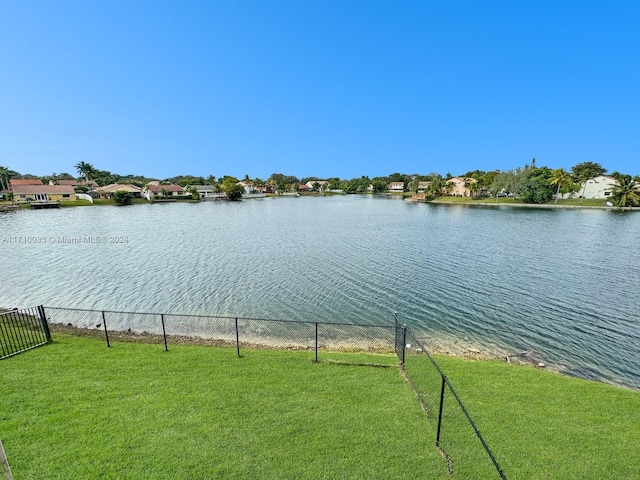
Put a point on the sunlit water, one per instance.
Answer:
(563, 283)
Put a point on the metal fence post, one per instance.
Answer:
(164, 333)
(404, 343)
(237, 338)
(316, 342)
(395, 345)
(106, 334)
(440, 412)
(45, 325)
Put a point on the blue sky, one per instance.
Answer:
(330, 88)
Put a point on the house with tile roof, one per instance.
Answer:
(43, 193)
(75, 183)
(21, 181)
(107, 190)
(155, 190)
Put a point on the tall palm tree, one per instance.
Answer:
(560, 179)
(626, 193)
(474, 185)
(85, 170)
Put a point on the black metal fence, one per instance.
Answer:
(22, 330)
(457, 436)
(173, 329)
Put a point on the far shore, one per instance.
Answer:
(445, 201)
(593, 204)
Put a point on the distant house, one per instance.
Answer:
(207, 191)
(423, 186)
(42, 193)
(20, 181)
(303, 187)
(456, 187)
(154, 190)
(75, 183)
(107, 190)
(396, 187)
(249, 187)
(598, 187)
(317, 184)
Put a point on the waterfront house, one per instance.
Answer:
(249, 187)
(396, 187)
(423, 186)
(155, 190)
(317, 185)
(457, 186)
(598, 187)
(206, 191)
(75, 183)
(107, 190)
(42, 193)
(21, 181)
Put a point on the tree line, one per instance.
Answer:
(531, 183)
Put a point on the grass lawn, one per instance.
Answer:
(586, 202)
(540, 424)
(76, 409)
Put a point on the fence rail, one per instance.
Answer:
(457, 436)
(22, 330)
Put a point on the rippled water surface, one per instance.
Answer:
(563, 283)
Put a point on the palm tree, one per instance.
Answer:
(561, 179)
(474, 185)
(85, 170)
(626, 193)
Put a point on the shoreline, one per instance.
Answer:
(438, 201)
(529, 205)
(458, 348)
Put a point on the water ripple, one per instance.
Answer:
(563, 283)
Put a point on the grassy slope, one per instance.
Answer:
(544, 425)
(75, 409)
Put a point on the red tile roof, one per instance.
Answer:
(42, 189)
(167, 188)
(18, 181)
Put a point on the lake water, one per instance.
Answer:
(563, 283)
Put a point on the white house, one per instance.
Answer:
(396, 187)
(598, 187)
(319, 183)
(206, 191)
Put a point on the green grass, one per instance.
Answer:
(540, 424)
(76, 409)
(586, 202)
(75, 203)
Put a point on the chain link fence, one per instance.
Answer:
(460, 442)
(240, 333)
(457, 436)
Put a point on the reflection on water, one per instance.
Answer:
(560, 282)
